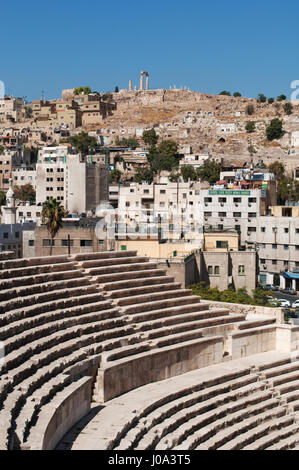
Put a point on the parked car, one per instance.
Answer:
(295, 304)
(289, 291)
(269, 287)
(283, 303)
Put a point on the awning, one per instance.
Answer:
(291, 275)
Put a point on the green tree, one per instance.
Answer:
(174, 177)
(271, 100)
(2, 198)
(114, 176)
(278, 170)
(225, 93)
(188, 173)
(251, 149)
(86, 90)
(52, 215)
(261, 98)
(281, 98)
(150, 137)
(144, 174)
(130, 142)
(250, 126)
(237, 94)
(274, 130)
(250, 109)
(288, 108)
(168, 148)
(83, 143)
(210, 171)
(1, 149)
(116, 89)
(107, 96)
(25, 193)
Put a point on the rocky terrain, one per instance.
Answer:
(207, 123)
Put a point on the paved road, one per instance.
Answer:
(281, 295)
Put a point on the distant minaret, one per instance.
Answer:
(9, 211)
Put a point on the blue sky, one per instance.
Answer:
(209, 46)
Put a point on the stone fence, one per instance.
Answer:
(276, 312)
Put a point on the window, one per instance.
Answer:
(216, 270)
(5, 235)
(207, 199)
(237, 199)
(252, 199)
(146, 191)
(220, 227)
(274, 229)
(274, 246)
(207, 214)
(263, 229)
(162, 191)
(285, 247)
(297, 247)
(263, 261)
(221, 214)
(286, 230)
(65, 242)
(47, 242)
(251, 214)
(162, 204)
(251, 229)
(221, 244)
(17, 234)
(127, 204)
(210, 269)
(222, 199)
(297, 230)
(274, 262)
(237, 214)
(241, 270)
(85, 242)
(131, 190)
(238, 228)
(30, 242)
(101, 242)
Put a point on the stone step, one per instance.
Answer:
(39, 279)
(136, 283)
(112, 262)
(120, 268)
(151, 315)
(204, 429)
(273, 437)
(126, 276)
(263, 425)
(287, 387)
(35, 270)
(146, 298)
(43, 287)
(165, 321)
(176, 299)
(134, 291)
(102, 255)
(46, 297)
(281, 369)
(286, 443)
(25, 262)
(20, 323)
(196, 332)
(292, 395)
(37, 309)
(21, 347)
(284, 378)
(236, 436)
(175, 427)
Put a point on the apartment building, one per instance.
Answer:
(11, 110)
(65, 176)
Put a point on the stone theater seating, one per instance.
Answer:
(80, 332)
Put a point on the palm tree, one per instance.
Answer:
(52, 215)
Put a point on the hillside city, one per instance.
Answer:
(149, 272)
(178, 172)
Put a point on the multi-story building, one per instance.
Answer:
(11, 110)
(65, 176)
